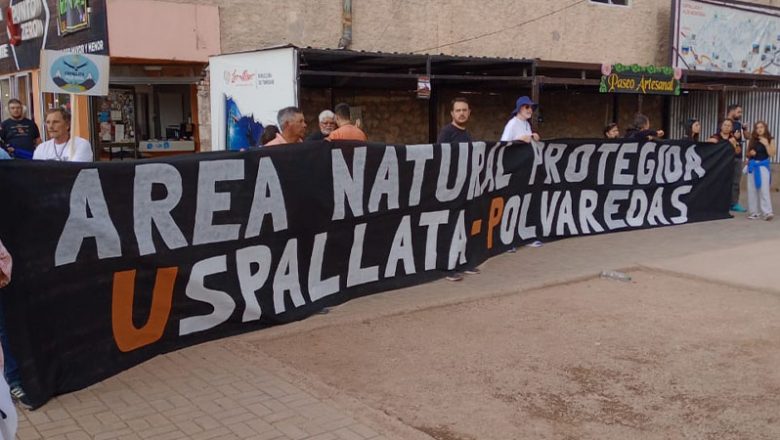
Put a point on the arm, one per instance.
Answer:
(442, 138)
(36, 135)
(735, 145)
(772, 148)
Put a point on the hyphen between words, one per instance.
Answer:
(478, 170)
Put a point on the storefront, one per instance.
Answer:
(158, 54)
(159, 51)
(151, 110)
(33, 25)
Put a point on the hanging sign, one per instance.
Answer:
(424, 87)
(79, 74)
(644, 80)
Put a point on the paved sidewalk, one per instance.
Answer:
(231, 389)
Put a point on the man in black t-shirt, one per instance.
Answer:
(455, 131)
(20, 134)
(734, 112)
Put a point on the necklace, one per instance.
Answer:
(59, 154)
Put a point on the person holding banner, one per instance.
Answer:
(738, 131)
(20, 134)
(519, 127)
(692, 129)
(611, 131)
(455, 131)
(12, 381)
(61, 146)
(327, 121)
(640, 130)
(347, 130)
(292, 126)
(760, 148)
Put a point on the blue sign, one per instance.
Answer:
(74, 73)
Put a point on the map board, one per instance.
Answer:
(718, 36)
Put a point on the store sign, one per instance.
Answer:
(80, 74)
(247, 90)
(644, 80)
(726, 37)
(34, 25)
(72, 16)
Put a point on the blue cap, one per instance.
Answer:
(521, 101)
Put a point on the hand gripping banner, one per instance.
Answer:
(115, 263)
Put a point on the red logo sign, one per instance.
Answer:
(14, 30)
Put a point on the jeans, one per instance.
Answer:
(736, 181)
(10, 369)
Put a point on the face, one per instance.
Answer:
(327, 125)
(613, 132)
(56, 126)
(526, 112)
(726, 126)
(298, 126)
(460, 113)
(737, 114)
(15, 109)
(696, 127)
(760, 129)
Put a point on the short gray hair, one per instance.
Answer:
(325, 114)
(285, 115)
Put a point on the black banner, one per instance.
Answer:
(115, 263)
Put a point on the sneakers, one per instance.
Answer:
(453, 276)
(737, 208)
(753, 216)
(472, 271)
(512, 251)
(769, 217)
(18, 394)
(535, 244)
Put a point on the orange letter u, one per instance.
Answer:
(126, 335)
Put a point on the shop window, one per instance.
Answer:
(612, 2)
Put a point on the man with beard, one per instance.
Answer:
(327, 122)
(455, 131)
(734, 112)
(20, 134)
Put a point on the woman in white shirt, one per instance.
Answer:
(519, 127)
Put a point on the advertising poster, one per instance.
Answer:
(718, 36)
(247, 90)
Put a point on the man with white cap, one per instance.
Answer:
(519, 127)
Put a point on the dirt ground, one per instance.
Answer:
(661, 357)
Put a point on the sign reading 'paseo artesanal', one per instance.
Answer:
(646, 80)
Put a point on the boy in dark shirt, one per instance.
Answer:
(20, 134)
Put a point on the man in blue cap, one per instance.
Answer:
(519, 127)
